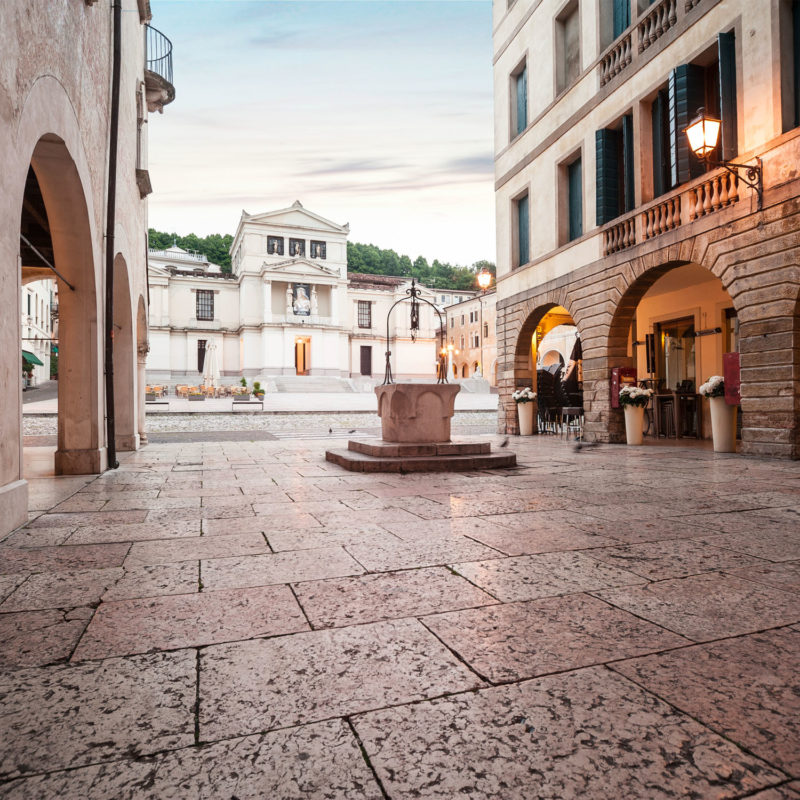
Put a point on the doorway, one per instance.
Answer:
(302, 355)
(675, 354)
(366, 359)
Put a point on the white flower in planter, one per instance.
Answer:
(713, 387)
(526, 395)
(634, 396)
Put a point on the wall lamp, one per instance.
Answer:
(703, 135)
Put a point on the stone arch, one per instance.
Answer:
(126, 434)
(643, 277)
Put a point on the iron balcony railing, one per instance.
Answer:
(158, 53)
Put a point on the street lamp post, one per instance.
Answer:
(703, 135)
(484, 281)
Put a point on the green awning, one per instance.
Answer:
(30, 358)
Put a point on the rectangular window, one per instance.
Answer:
(452, 322)
(659, 113)
(364, 314)
(366, 359)
(485, 330)
(29, 304)
(318, 250)
(622, 16)
(462, 319)
(614, 170)
(519, 100)
(575, 199)
(205, 304)
(521, 231)
(568, 47)
(201, 354)
(274, 246)
(297, 247)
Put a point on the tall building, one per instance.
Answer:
(471, 338)
(79, 80)
(38, 310)
(288, 307)
(607, 220)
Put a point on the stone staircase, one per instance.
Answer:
(313, 384)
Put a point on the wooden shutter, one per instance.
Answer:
(627, 161)
(622, 16)
(660, 122)
(686, 96)
(523, 233)
(607, 175)
(575, 200)
(522, 100)
(366, 359)
(726, 47)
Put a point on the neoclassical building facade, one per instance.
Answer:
(607, 220)
(287, 308)
(81, 78)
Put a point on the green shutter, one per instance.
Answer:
(686, 96)
(627, 160)
(523, 230)
(660, 123)
(522, 100)
(726, 47)
(607, 175)
(622, 16)
(796, 59)
(575, 200)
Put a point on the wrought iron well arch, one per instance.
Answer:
(414, 296)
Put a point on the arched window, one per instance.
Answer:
(464, 371)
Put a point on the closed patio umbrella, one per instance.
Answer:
(211, 366)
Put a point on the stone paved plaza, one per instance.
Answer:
(244, 620)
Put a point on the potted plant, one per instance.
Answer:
(723, 416)
(524, 399)
(196, 396)
(257, 390)
(634, 401)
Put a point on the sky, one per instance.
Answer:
(372, 112)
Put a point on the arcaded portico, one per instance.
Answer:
(73, 183)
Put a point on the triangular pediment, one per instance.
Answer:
(297, 217)
(299, 266)
(156, 271)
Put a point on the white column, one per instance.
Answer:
(267, 301)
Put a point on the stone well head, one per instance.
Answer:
(416, 412)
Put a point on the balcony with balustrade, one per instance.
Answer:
(159, 89)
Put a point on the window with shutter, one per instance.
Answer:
(622, 16)
(726, 48)
(661, 151)
(575, 199)
(686, 95)
(607, 175)
(628, 200)
(522, 232)
(519, 99)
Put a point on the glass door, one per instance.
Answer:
(675, 357)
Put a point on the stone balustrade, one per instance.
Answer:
(659, 19)
(698, 199)
(617, 58)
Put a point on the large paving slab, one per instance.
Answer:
(315, 761)
(62, 589)
(37, 638)
(746, 688)
(255, 686)
(521, 640)
(69, 716)
(370, 598)
(586, 734)
(706, 607)
(190, 620)
(544, 575)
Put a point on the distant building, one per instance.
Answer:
(38, 305)
(288, 307)
(471, 337)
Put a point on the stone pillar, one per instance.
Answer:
(266, 313)
(141, 380)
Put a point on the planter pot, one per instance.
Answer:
(723, 425)
(634, 422)
(150, 397)
(525, 413)
(197, 397)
